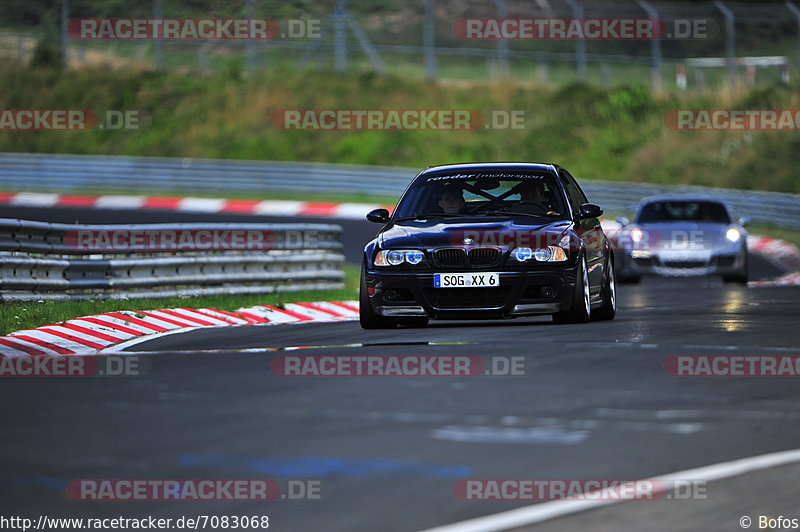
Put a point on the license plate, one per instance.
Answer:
(465, 280)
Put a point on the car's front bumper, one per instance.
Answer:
(723, 262)
(520, 293)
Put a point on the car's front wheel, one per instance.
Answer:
(368, 318)
(741, 277)
(581, 309)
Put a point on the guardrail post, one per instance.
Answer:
(655, 48)
(580, 44)
(730, 41)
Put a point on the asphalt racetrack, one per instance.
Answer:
(594, 402)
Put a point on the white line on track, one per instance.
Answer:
(539, 513)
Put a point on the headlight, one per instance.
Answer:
(522, 254)
(637, 235)
(733, 234)
(548, 254)
(396, 257)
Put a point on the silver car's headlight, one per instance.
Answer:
(733, 234)
(396, 257)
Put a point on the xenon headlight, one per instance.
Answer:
(548, 254)
(396, 257)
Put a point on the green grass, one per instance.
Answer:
(28, 314)
(615, 134)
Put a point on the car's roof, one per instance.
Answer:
(541, 167)
(681, 197)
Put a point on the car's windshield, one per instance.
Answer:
(482, 193)
(689, 211)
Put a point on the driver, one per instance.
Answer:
(532, 198)
(452, 199)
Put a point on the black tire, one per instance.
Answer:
(742, 277)
(366, 315)
(609, 293)
(580, 311)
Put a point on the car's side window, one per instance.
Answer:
(574, 193)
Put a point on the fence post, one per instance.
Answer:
(366, 46)
(339, 36)
(730, 41)
(655, 48)
(64, 34)
(21, 49)
(502, 44)
(429, 38)
(250, 50)
(542, 72)
(580, 44)
(159, 45)
(605, 75)
(796, 12)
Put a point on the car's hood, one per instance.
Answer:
(504, 233)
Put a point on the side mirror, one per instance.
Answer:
(378, 216)
(590, 210)
(623, 220)
(744, 221)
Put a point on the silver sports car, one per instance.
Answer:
(682, 235)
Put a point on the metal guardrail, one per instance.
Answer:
(59, 261)
(60, 173)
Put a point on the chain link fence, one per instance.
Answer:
(421, 38)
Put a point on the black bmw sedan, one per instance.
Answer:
(488, 241)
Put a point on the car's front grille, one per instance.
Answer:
(478, 257)
(483, 256)
(686, 264)
(451, 257)
(455, 298)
